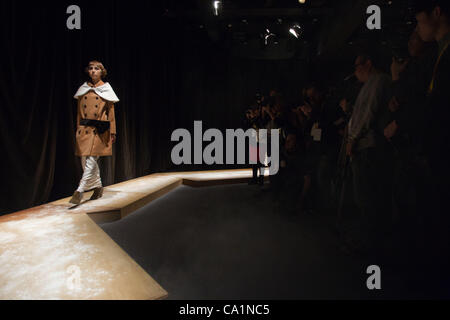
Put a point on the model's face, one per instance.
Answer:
(95, 72)
(426, 25)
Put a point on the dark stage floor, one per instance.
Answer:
(229, 242)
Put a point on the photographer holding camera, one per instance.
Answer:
(256, 118)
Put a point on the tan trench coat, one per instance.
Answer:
(88, 141)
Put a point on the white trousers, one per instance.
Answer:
(91, 174)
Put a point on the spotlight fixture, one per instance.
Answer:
(302, 1)
(296, 30)
(268, 35)
(217, 5)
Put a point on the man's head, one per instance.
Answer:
(96, 70)
(416, 46)
(431, 16)
(365, 65)
(313, 93)
(291, 142)
(279, 104)
(273, 92)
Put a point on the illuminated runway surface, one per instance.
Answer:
(57, 251)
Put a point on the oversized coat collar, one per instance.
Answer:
(105, 91)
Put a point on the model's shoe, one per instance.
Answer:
(77, 197)
(98, 193)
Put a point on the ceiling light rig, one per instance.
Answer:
(267, 35)
(296, 30)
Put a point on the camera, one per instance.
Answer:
(259, 98)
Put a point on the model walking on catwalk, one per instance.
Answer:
(96, 129)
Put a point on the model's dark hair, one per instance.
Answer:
(428, 6)
(98, 64)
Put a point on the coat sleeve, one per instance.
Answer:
(78, 114)
(112, 118)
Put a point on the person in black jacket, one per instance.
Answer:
(433, 24)
(256, 118)
(410, 79)
(292, 183)
(321, 126)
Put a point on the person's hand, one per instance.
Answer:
(297, 110)
(299, 115)
(349, 149)
(113, 137)
(306, 109)
(390, 130)
(344, 105)
(393, 104)
(397, 68)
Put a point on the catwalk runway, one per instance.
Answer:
(57, 251)
(236, 242)
(159, 237)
